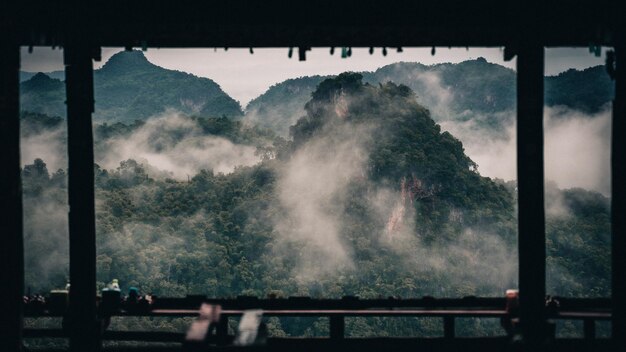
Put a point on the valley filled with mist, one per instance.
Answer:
(397, 182)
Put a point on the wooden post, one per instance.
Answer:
(589, 329)
(618, 203)
(337, 327)
(530, 183)
(448, 327)
(11, 229)
(222, 330)
(84, 335)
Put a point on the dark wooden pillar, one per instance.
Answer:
(84, 335)
(11, 231)
(618, 202)
(532, 253)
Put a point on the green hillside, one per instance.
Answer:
(128, 88)
(471, 90)
(370, 199)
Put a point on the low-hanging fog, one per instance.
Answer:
(176, 145)
(576, 150)
(308, 208)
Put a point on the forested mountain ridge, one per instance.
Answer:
(470, 90)
(588, 90)
(25, 76)
(272, 110)
(406, 142)
(128, 87)
(356, 208)
(42, 94)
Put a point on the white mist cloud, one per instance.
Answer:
(477, 262)
(175, 144)
(46, 240)
(311, 191)
(493, 152)
(48, 146)
(576, 148)
(432, 94)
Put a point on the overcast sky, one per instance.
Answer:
(245, 76)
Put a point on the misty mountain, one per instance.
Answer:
(128, 87)
(282, 104)
(470, 90)
(589, 90)
(172, 144)
(371, 198)
(42, 94)
(405, 140)
(25, 76)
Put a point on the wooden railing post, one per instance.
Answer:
(337, 327)
(448, 327)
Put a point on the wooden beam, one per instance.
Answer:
(355, 23)
(11, 229)
(618, 202)
(80, 105)
(530, 183)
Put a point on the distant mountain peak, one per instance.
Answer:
(127, 60)
(40, 76)
(42, 81)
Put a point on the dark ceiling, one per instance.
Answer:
(281, 23)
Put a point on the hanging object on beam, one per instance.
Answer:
(371, 50)
(596, 50)
(290, 52)
(509, 52)
(399, 50)
(144, 45)
(384, 51)
(225, 48)
(344, 52)
(432, 51)
(332, 50)
(610, 63)
(349, 51)
(128, 48)
(251, 50)
(96, 53)
(302, 53)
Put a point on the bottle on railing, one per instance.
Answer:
(512, 308)
(111, 298)
(201, 332)
(252, 330)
